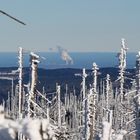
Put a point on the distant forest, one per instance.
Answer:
(49, 78)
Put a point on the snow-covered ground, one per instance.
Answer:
(33, 129)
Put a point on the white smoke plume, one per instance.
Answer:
(64, 55)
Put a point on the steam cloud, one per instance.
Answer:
(64, 55)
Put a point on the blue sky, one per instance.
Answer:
(76, 25)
